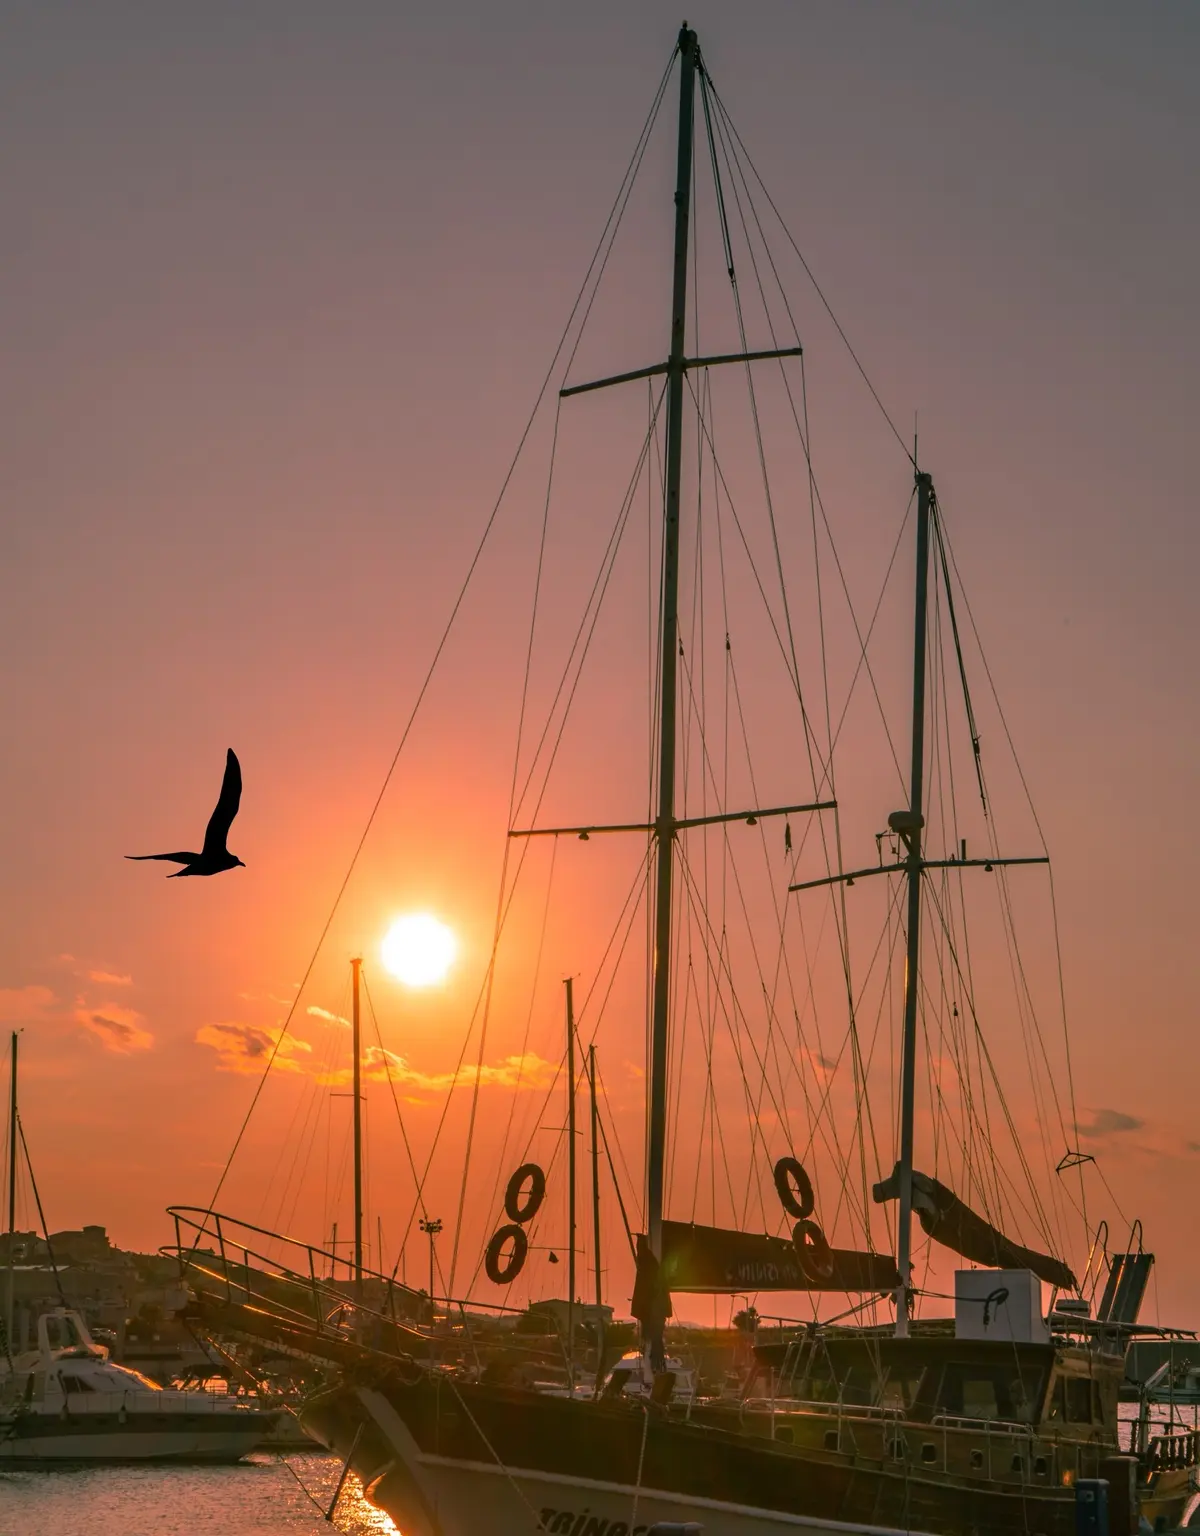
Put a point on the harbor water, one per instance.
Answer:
(259, 1497)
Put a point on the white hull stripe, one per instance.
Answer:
(432, 1473)
(664, 1496)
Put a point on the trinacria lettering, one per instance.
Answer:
(566, 1522)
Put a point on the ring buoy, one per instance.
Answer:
(813, 1251)
(521, 1204)
(798, 1201)
(501, 1270)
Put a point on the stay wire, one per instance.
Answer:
(616, 209)
(1045, 848)
(809, 274)
(630, 178)
(385, 1058)
(37, 1199)
(728, 137)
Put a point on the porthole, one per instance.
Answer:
(976, 1461)
(832, 1441)
(928, 1452)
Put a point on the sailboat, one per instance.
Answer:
(1001, 1420)
(64, 1402)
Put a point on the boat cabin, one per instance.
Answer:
(1064, 1390)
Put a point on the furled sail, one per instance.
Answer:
(948, 1221)
(714, 1261)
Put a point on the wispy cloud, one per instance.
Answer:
(246, 1047)
(1108, 1122)
(110, 979)
(323, 1013)
(816, 1065)
(117, 1029)
(21, 1005)
(528, 1071)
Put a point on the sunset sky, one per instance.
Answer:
(281, 284)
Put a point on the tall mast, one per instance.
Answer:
(10, 1308)
(909, 828)
(570, 1186)
(664, 826)
(355, 969)
(596, 1214)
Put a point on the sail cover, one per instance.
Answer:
(948, 1221)
(714, 1261)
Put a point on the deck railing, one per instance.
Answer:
(1166, 1453)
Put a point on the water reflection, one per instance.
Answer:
(259, 1497)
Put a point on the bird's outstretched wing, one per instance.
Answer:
(175, 858)
(219, 823)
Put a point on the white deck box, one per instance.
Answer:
(999, 1304)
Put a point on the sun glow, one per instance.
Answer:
(418, 950)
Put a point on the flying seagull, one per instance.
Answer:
(215, 855)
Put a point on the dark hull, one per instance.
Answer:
(421, 1438)
(38, 1439)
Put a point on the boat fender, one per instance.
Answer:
(521, 1204)
(797, 1201)
(813, 1250)
(500, 1270)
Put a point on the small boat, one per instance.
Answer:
(66, 1401)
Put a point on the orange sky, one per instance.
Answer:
(275, 311)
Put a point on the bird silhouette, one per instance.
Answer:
(215, 855)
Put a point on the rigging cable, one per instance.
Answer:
(37, 1200)
(809, 273)
(385, 1058)
(630, 178)
(1050, 869)
(837, 895)
(616, 210)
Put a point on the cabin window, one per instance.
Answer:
(857, 1389)
(898, 1448)
(976, 1461)
(859, 1386)
(76, 1383)
(819, 1389)
(899, 1391)
(832, 1440)
(1079, 1399)
(1017, 1465)
(987, 1392)
(1039, 1466)
(928, 1452)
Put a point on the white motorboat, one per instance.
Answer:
(66, 1401)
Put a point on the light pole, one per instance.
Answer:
(433, 1226)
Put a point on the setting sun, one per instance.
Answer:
(418, 950)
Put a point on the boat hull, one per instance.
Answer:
(35, 1439)
(444, 1459)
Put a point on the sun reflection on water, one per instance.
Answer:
(356, 1513)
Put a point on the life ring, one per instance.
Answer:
(799, 1201)
(813, 1251)
(521, 1204)
(500, 1270)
